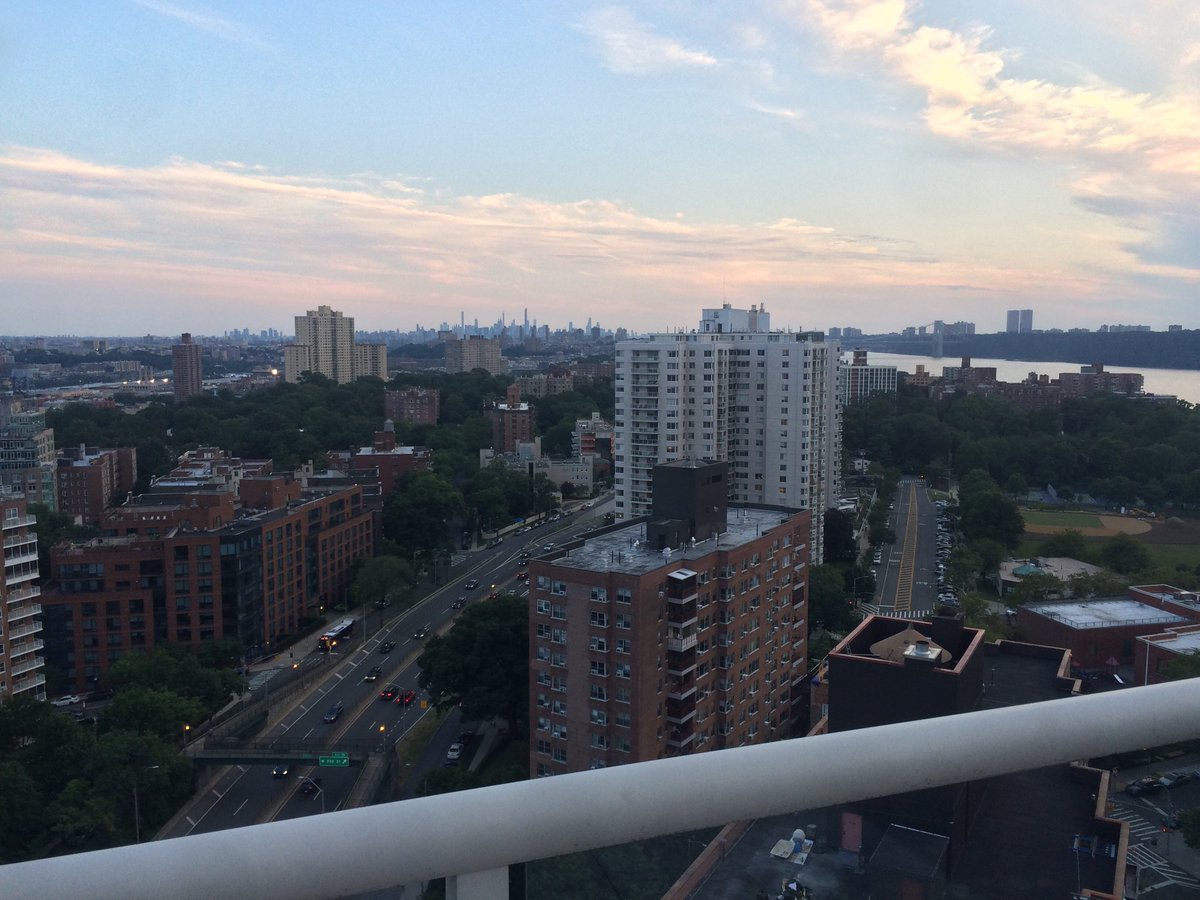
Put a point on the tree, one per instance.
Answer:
(1097, 584)
(381, 577)
(1189, 822)
(827, 599)
(1184, 665)
(839, 536)
(1035, 586)
(1124, 554)
(1069, 543)
(992, 516)
(482, 663)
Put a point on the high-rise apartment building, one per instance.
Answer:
(1019, 321)
(676, 633)
(765, 401)
(325, 345)
(27, 464)
(512, 422)
(473, 352)
(860, 379)
(185, 368)
(20, 614)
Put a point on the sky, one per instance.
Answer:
(170, 166)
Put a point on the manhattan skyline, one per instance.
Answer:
(171, 167)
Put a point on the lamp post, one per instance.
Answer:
(137, 813)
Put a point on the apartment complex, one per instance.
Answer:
(512, 422)
(90, 480)
(412, 406)
(27, 463)
(218, 549)
(21, 641)
(186, 371)
(473, 352)
(679, 632)
(325, 344)
(767, 402)
(861, 380)
(1019, 321)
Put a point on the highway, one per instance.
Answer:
(247, 794)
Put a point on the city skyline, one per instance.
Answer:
(171, 166)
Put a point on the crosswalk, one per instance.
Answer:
(1147, 857)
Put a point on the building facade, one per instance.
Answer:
(325, 345)
(186, 372)
(27, 461)
(21, 640)
(861, 380)
(473, 352)
(767, 402)
(512, 422)
(90, 480)
(677, 633)
(412, 406)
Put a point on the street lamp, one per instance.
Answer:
(137, 814)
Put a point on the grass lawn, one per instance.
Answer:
(1061, 519)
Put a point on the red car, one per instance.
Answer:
(405, 698)
(522, 576)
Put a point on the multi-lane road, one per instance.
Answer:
(250, 793)
(906, 577)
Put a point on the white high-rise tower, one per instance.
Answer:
(765, 401)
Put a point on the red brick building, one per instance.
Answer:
(91, 480)
(1096, 631)
(412, 406)
(512, 422)
(196, 576)
(682, 632)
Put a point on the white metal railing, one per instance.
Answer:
(472, 836)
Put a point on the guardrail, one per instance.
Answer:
(472, 836)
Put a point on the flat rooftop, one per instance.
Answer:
(1188, 642)
(1105, 613)
(623, 548)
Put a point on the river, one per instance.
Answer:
(1182, 383)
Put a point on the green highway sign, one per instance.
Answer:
(342, 761)
(339, 754)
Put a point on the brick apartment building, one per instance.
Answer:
(380, 467)
(512, 422)
(193, 568)
(412, 406)
(91, 480)
(676, 633)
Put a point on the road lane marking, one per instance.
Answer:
(239, 809)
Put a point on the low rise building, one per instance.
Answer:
(1099, 632)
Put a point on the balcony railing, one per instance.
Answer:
(587, 810)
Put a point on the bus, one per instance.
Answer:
(338, 632)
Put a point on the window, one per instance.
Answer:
(559, 708)
(599, 717)
(598, 643)
(543, 723)
(623, 670)
(624, 595)
(599, 667)
(624, 620)
(543, 607)
(599, 619)
(600, 595)
(623, 645)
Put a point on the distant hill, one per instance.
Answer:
(1150, 349)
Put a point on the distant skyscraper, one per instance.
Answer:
(185, 368)
(1026, 321)
(765, 401)
(1013, 324)
(473, 353)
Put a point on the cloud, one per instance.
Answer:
(1125, 147)
(207, 22)
(630, 47)
(172, 243)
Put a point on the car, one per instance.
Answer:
(389, 692)
(387, 646)
(524, 555)
(100, 694)
(1148, 785)
(454, 752)
(385, 602)
(67, 700)
(310, 785)
(522, 575)
(472, 584)
(1174, 779)
(459, 603)
(373, 673)
(548, 547)
(406, 698)
(492, 595)
(331, 714)
(281, 771)
(421, 633)
(587, 505)
(495, 542)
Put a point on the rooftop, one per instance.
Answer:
(1110, 612)
(623, 548)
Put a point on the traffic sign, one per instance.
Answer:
(339, 762)
(339, 754)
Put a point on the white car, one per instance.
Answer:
(454, 752)
(67, 700)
